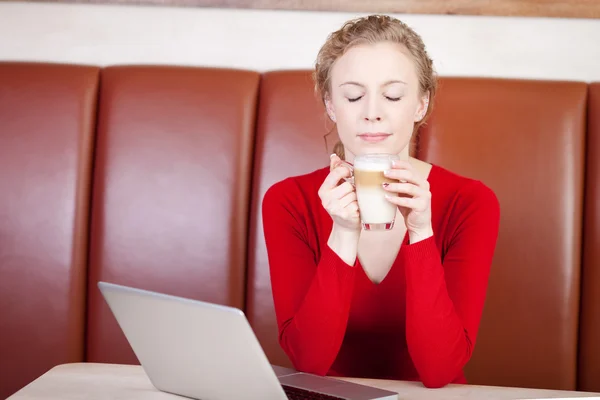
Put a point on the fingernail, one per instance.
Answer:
(332, 155)
(386, 172)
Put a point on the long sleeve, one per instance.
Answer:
(312, 293)
(444, 302)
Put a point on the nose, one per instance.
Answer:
(372, 110)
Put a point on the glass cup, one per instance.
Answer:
(376, 212)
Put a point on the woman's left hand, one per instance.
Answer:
(412, 196)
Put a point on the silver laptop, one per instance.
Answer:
(209, 352)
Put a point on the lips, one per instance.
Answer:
(374, 137)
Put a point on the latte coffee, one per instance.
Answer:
(376, 212)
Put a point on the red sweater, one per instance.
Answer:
(420, 323)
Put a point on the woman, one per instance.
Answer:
(398, 304)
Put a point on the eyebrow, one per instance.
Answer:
(385, 84)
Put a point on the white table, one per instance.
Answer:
(129, 382)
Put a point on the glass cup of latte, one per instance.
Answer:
(376, 212)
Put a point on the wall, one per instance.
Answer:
(542, 48)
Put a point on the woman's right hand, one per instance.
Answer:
(339, 199)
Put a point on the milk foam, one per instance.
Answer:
(373, 163)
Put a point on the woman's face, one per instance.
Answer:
(375, 99)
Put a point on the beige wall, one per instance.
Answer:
(544, 48)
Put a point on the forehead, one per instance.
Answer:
(374, 64)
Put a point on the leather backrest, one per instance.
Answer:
(47, 119)
(524, 139)
(290, 140)
(171, 191)
(589, 350)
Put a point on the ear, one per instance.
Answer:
(422, 108)
(329, 108)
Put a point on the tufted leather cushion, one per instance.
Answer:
(589, 351)
(47, 119)
(172, 182)
(525, 139)
(290, 140)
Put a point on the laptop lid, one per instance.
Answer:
(209, 351)
(193, 348)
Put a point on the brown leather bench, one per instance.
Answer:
(525, 139)
(171, 184)
(589, 345)
(47, 124)
(181, 159)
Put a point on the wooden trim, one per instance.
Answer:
(521, 8)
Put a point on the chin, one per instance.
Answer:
(390, 145)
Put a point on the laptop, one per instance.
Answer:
(207, 351)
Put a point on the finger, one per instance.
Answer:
(402, 164)
(414, 203)
(334, 161)
(347, 200)
(407, 189)
(349, 211)
(404, 176)
(410, 174)
(341, 191)
(335, 176)
(346, 207)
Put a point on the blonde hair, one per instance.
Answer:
(372, 29)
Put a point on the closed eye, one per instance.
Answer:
(352, 100)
